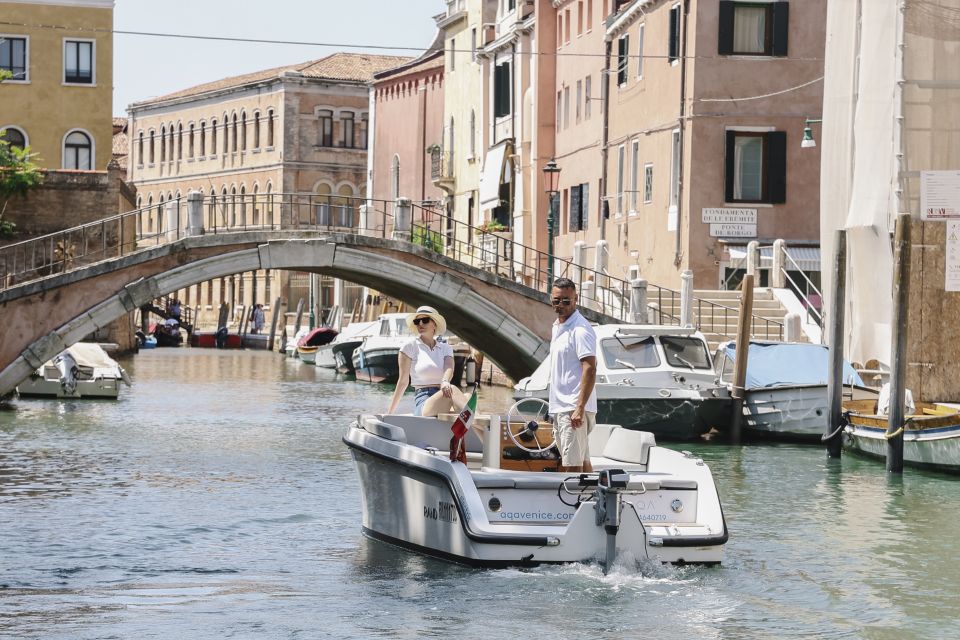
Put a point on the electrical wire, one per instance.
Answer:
(766, 95)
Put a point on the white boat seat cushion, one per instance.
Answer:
(599, 436)
(626, 445)
(384, 430)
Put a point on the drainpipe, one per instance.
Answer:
(683, 113)
(604, 95)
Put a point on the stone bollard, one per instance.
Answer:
(579, 260)
(194, 213)
(402, 219)
(778, 279)
(686, 299)
(753, 260)
(654, 312)
(638, 301)
(791, 327)
(171, 220)
(587, 295)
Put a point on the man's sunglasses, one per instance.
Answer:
(559, 301)
(421, 320)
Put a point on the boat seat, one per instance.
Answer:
(431, 433)
(599, 436)
(626, 445)
(384, 430)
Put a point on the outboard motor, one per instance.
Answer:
(610, 484)
(67, 365)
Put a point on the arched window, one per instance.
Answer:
(152, 146)
(163, 143)
(140, 150)
(326, 128)
(324, 193)
(269, 211)
(150, 214)
(344, 206)
(242, 217)
(77, 151)
(270, 128)
(14, 136)
(243, 131)
(213, 137)
(159, 215)
(172, 139)
(233, 205)
(233, 133)
(256, 198)
(180, 141)
(203, 139)
(190, 143)
(256, 130)
(226, 134)
(395, 177)
(346, 123)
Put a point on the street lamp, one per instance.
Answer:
(551, 180)
(808, 140)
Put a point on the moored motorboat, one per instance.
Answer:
(83, 370)
(786, 389)
(931, 434)
(642, 502)
(375, 359)
(650, 378)
(349, 339)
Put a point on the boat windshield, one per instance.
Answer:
(630, 353)
(685, 352)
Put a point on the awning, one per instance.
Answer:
(803, 258)
(492, 175)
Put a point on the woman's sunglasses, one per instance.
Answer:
(421, 320)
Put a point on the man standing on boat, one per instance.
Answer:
(573, 375)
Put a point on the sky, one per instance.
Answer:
(148, 66)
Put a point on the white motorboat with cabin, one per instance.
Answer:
(786, 388)
(653, 378)
(82, 370)
(507, 506)
(375, 359)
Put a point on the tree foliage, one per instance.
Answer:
(18, 174)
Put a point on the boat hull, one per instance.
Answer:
(683, 414)
(419, 500)
(933, 447)
(376, 365)
(791, 413)
(99, 388)
(343, 356)
(324, 357)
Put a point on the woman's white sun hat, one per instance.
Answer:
(427, 312)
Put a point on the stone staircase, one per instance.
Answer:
(716, 314)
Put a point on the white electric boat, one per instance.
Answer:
(83, 370)
(650, 378)
(506, 507)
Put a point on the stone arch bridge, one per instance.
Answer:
(508, 321)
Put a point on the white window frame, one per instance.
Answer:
(648, 193)
(634, 177)
(93, 148)
(26, 57)
(26, 138)
(621, 158)
(93, 63)
(640, 38)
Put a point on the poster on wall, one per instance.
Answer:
(939, 195)
(952, 263)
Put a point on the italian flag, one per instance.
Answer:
(460, 426)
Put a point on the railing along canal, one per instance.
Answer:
(495, 251)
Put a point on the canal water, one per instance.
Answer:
(215, 499)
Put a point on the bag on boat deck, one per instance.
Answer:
(460, 426)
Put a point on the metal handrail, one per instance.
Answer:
(158, 224)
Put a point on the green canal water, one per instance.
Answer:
(215, 499)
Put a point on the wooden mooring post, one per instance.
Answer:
(277, 313)
(296, 323)
(738, 390)
(898, 359)
(833, 435)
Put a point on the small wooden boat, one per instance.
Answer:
(931, 434)
(309, 344)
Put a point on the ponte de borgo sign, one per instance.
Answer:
(728, 222)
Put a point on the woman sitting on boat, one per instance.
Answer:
(427, 363)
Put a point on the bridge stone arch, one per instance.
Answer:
(507, 321)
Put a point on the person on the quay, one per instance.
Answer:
(427, 363)
(573, 371)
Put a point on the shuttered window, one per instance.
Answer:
(753, 28)
(756, 167)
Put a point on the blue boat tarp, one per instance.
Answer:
(783, 364)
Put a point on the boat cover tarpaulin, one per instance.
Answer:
(91, 355)
(317, 337)
(782, 364)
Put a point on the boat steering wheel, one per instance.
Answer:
(523, 421)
